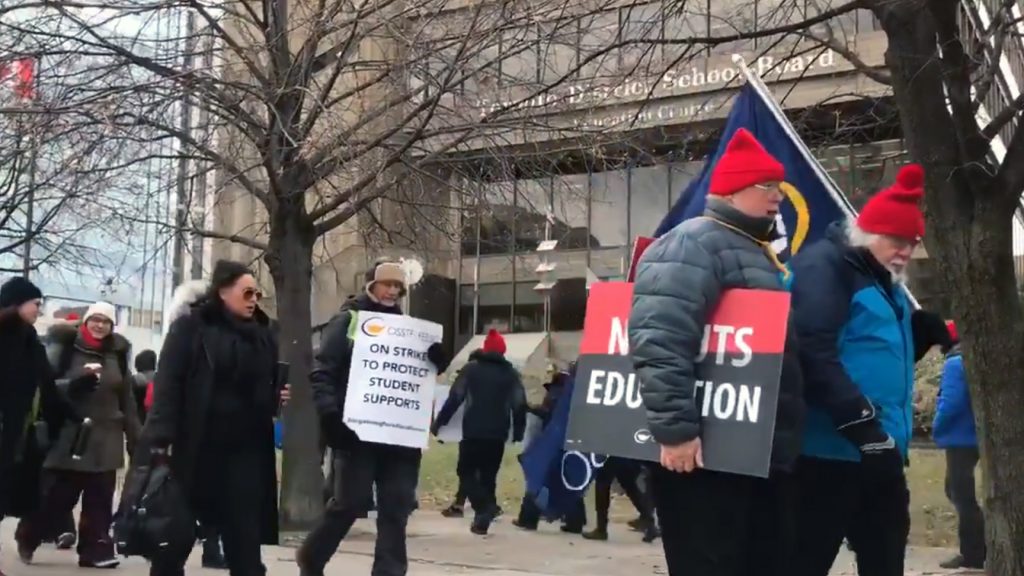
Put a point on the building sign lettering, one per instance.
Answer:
(673, 82)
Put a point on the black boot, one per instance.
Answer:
(213, 558)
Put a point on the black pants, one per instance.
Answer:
(461, 471)
(574, 520)
(64, 488)
(395, 472)
(627, 473)
(481, 462)
(229, 506)
(960, 489)
(842, 500)
(717, 524)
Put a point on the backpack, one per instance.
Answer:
(154, 518)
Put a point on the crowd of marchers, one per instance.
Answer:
(204, 414)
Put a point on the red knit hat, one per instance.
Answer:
(895, 211)
(745, 163)
(493, 342)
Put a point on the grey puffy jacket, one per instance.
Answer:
(678, 284)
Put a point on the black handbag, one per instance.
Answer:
(154, 519)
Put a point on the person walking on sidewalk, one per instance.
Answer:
(359, 465)
(91, 363)
(530, 513)
(954, 431)
(214, 400)
(627, 473)
(714, 523)
(495, 399)
(32, 411)
(859, 340)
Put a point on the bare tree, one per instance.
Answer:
(314, 113)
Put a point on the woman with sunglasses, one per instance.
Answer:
(215, 397)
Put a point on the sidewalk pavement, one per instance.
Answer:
(440, 547)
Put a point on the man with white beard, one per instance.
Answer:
(859, 338)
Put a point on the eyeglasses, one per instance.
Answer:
(773, 187)
(252, 295)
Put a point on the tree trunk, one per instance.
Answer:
(969, 235)
(290, 262)
(976, 257)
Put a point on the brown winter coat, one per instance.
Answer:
(111, 406)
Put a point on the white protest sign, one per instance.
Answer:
(390, 394)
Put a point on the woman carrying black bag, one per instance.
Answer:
(215, 397)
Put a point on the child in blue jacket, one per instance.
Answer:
(954, 431)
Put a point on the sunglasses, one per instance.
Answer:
(252, 295)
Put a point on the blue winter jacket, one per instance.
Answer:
(954, 417)
(857, 347)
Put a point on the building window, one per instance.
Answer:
(683, 22)
(570, 198)
(559, 44)
(641, 22)
(680, 176)
(728, 18)
(529, 308)
(609, 207)
(532, 200)
(519, 63)
(648, 199)
(568, 304)
(497, 213)
(600, 31)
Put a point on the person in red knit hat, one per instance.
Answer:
(714, 523)
(859, 340)
(495, 400)
(891, 224)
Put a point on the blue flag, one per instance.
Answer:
(556, 479)
(812, 202)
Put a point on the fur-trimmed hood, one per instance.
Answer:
(185, 297)
(192, 295)
(65, 334)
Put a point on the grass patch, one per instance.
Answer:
(933, 520)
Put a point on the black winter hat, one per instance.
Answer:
(17, 291)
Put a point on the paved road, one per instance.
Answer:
(443, 547)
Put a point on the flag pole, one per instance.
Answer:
(755, 82)
(761, 88)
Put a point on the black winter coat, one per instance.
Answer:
(679, 281)
(493, 393)
(331, 365)
(183, 394)
(25, 370)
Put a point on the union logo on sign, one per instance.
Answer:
(642, 436)
(373, 327)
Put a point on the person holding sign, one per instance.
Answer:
(361, 465)
(715, 523)
(859, 340)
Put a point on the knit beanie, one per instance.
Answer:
(385, 271)
(744, 163)
(17, 291)
(104, 309)
(493, 342)
(895, 211)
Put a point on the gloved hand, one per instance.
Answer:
(438, 357)
(338, 435)
(879, 454)
(929, 330)
(882, 460)
(83, 384)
